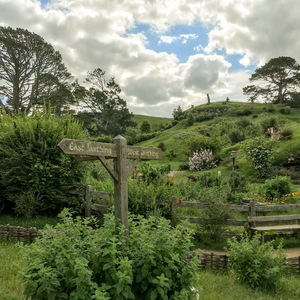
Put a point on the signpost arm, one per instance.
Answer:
(121, 188)
(132, 166)
(109, 168)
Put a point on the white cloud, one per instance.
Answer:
(93, 33)
(167, 39)
(204, 71)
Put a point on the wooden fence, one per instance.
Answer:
(249, 207)
(88, 195)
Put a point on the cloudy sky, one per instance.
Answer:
(164, 53)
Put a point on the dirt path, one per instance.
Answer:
(291, 252)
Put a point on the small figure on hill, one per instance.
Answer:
(208, 99)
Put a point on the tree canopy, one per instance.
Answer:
(32, 72)
(108, 111)
(276, 80)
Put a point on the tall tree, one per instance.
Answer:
(276, 80)
(145, 127)
(32, 72)
(108, 109)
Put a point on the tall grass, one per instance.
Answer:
(11, 262)
(37, 221)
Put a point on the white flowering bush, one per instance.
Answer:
(202, 160)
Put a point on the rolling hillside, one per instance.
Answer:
(231, 126)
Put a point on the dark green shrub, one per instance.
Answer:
(235, 136)
(243, 123)
(277, 187)
(76, 259)
(170, 154)
(35, 175)
(202, 118)
(285, 110)
(244, 112)
(190, 120)
(162, 146)
(268, 122)
(254, 263)
(145, 127)
(195, 143)
(184, 166)
(286, 134)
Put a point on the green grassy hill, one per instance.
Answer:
(232, 125)
(155, 122)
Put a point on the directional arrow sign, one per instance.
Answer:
(88, 148)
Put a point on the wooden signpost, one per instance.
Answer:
(120, 152)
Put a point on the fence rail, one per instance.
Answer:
(88, 195)
(251, 207)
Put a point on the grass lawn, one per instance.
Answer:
(11, 261)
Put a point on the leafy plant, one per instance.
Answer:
(76, 259)
(254, 263)
(277, 187)
(259, 152)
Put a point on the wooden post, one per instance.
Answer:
(252, 209)
(121, 188)
(252, 213)
(174, 210)
(88, 200)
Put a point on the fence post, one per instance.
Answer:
(174, 210)
(252, 210)
(88, 200)
(121, 188)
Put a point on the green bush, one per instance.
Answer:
(76, 259)
(285, 110)
(277, 187)
(243, 122)
(148, 199)
(243, 112)
(196, 143)
(235, 136)
(34, 173)
(254, 263)
(286, 134)
(268, 122)
(259, 152)
(162, 146)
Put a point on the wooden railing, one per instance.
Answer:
(88, 195)
(252, 208)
